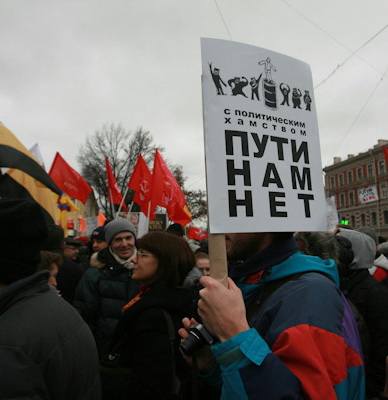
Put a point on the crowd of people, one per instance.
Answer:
(303, 315)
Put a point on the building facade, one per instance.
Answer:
(359, 185)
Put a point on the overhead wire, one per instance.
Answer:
(223, 20)
(353, 53)
(361, 110)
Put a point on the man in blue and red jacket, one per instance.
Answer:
(300, 339)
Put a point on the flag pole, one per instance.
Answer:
(149, 211)
(55, 207)
(110, 199)
(130, 207)
(122, 201)
(217, 257)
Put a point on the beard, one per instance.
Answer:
(242, 246)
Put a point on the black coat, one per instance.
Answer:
(69, 274)
(143, 342)
(371, 299)
(102, 292)
(46, 349)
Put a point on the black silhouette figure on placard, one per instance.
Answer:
(296, 95)
(307, 100)
(237, 85)
(217, 79)
(285, 89)
(255, 87)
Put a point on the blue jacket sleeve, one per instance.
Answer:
(248, 369)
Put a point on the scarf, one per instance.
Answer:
(143, 290)
(125, 263)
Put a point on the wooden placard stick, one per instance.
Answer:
(217, 256)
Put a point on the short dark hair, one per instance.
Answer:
(176, 229)
(175, 258)
(345, 255)
(282, 235)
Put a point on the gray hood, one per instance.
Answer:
(363, 246)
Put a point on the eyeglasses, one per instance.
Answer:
(141, 254)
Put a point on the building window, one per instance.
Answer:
(362, 219)
(352, 221)
(370, 171)
(351, 198)
(350, 177)
(332, 182)
(342, 200)
(381, 167)
(386, 217)
(374, 218)
(341, 180)
(383, 190)
(359, 174)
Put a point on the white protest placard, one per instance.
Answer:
(332, 214)
(263, 161)
(366, 195)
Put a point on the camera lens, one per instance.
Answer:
(191, 344)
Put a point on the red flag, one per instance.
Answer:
(385, 153)
(100, 219)
(167, 193)
(141, 183)
(196, 234)
(114, 195)
(69, 180)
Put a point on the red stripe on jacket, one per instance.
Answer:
(319, 358)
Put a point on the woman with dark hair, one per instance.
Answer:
(145, 343)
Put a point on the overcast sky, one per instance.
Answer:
(68, 67)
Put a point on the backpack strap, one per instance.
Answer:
(267, 289)
(176, 383)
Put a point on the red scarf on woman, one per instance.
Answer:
(143, 290)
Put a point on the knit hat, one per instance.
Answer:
(99, 233)
(117, 226)
(23, 230)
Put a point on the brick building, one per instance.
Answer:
(360, 187)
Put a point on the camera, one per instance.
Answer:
(198, 337)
